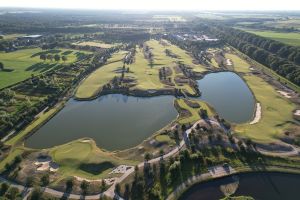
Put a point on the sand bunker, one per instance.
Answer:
(285, 94)
(108, 181)
(120, 169)
(228, 62)
(257, 114)
(45, 163)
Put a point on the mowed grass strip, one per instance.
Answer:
(276, 110)
(91, 86)
(84, 159)
(26, 62)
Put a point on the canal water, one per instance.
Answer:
(260, 186)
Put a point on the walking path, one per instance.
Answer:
(111, 191)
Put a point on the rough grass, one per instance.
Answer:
(11, 156)
(194, 111)
(26, 62)
(276, 110)
(95, 81)
(287, 38)
(41, 119)
(84, 159)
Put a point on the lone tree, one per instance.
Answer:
(43, 57)
(1, 66)
(84, 187)
(50, 57)
(64, 58)
(69, 185)
(45, 180)
(147, 157)
(57, 57)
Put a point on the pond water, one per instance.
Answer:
(115, 121)
(229, 95)
(260, 186)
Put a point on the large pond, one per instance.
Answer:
(114, 121)
(229, 95)
(260, 186)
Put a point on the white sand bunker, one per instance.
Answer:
(120, 169)
(297, 112)
(228, 62)
(257, 114)
(285, 94)
(108, 181)
(45, 163)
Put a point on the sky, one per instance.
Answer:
(157, 4)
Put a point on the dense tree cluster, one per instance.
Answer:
(281, 58)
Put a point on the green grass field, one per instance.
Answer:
(276, 110)
(26, 62)
(84, 159)
(287, 38)
(94, 82)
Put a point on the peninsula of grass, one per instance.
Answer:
(84, 159)
(192, 113)
(93, 84)
(23, 63)
(276, 110)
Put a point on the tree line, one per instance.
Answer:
(281, 58)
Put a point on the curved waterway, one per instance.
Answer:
(115, 121)
(229, 95)
(260, 186)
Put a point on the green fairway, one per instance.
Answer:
(276, 110)
(287, 38)
(95, 81)
(26, 62)
(239, 64)
(84, 159)
(147, 77)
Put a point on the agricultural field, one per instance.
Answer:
(22, 64)
(11, 36)
(287, 38)
(94, 82)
